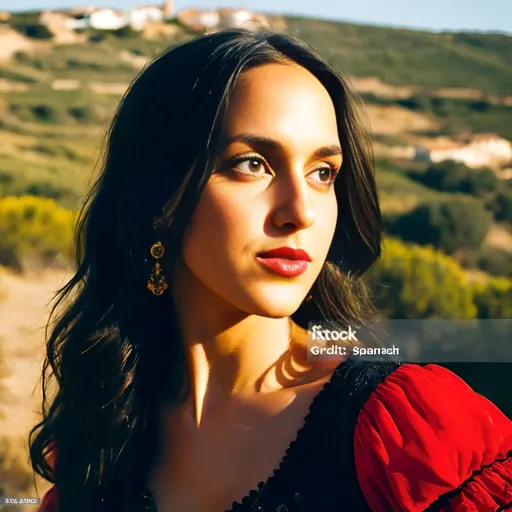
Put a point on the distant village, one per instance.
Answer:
(137, 18)
(473, 150)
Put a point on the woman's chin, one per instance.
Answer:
(274, 307)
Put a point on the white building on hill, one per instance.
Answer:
(240, 18)
(198, 20)
(112, 19)
(139, 17)
(478, 150)
(100, 19)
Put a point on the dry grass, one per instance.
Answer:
(4, 291)
(374, 85)
(475, 276)
(500, 237)
(5, 394)
(398, 204)
(392, 120)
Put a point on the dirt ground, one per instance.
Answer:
(12, 42)
(23, 314)
(393, 120)
(24, 309)
(500, 237)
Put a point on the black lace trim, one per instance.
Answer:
(266, 490)
(446, 498)
(334, 410)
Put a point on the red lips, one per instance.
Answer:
(285, 261)
(286, 253)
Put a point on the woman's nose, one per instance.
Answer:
(294, 203)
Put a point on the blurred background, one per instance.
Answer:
(436, 81)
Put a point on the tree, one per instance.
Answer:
(501, 206)
(447, 225)
(451, 176)
(34, 30)
(495, 261)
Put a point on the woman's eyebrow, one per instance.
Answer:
(274, 145)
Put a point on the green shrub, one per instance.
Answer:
(45, 114)
(494, 299)
(6, 178)
(480, 106)
(419, 282)
(126, 31)
(481, 182)
(418, 102)
(94, 36)
(49, 190)
(83, 114)
(34, 31)
(34, 230)
(450, 176)
(501, 206)
(495, 262)
(448, 225)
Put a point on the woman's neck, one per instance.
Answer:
(231, 354)
(255, 355)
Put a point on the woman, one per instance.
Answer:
(236, 205)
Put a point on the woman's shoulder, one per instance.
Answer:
(422, 435)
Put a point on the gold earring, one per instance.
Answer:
(156, 283)
(309, 297)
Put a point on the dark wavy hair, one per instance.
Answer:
(114, 349)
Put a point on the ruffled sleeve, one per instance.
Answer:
(426, 439)
(49, 501)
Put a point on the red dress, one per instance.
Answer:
(423, 440)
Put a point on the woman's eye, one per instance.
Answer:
(250, 165)
(325, 175)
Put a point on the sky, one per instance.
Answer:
(436, 15)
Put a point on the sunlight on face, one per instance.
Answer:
(272, 187)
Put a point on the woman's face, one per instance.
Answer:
(281, 128)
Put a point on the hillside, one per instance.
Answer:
(453, 81)
(411, 57)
